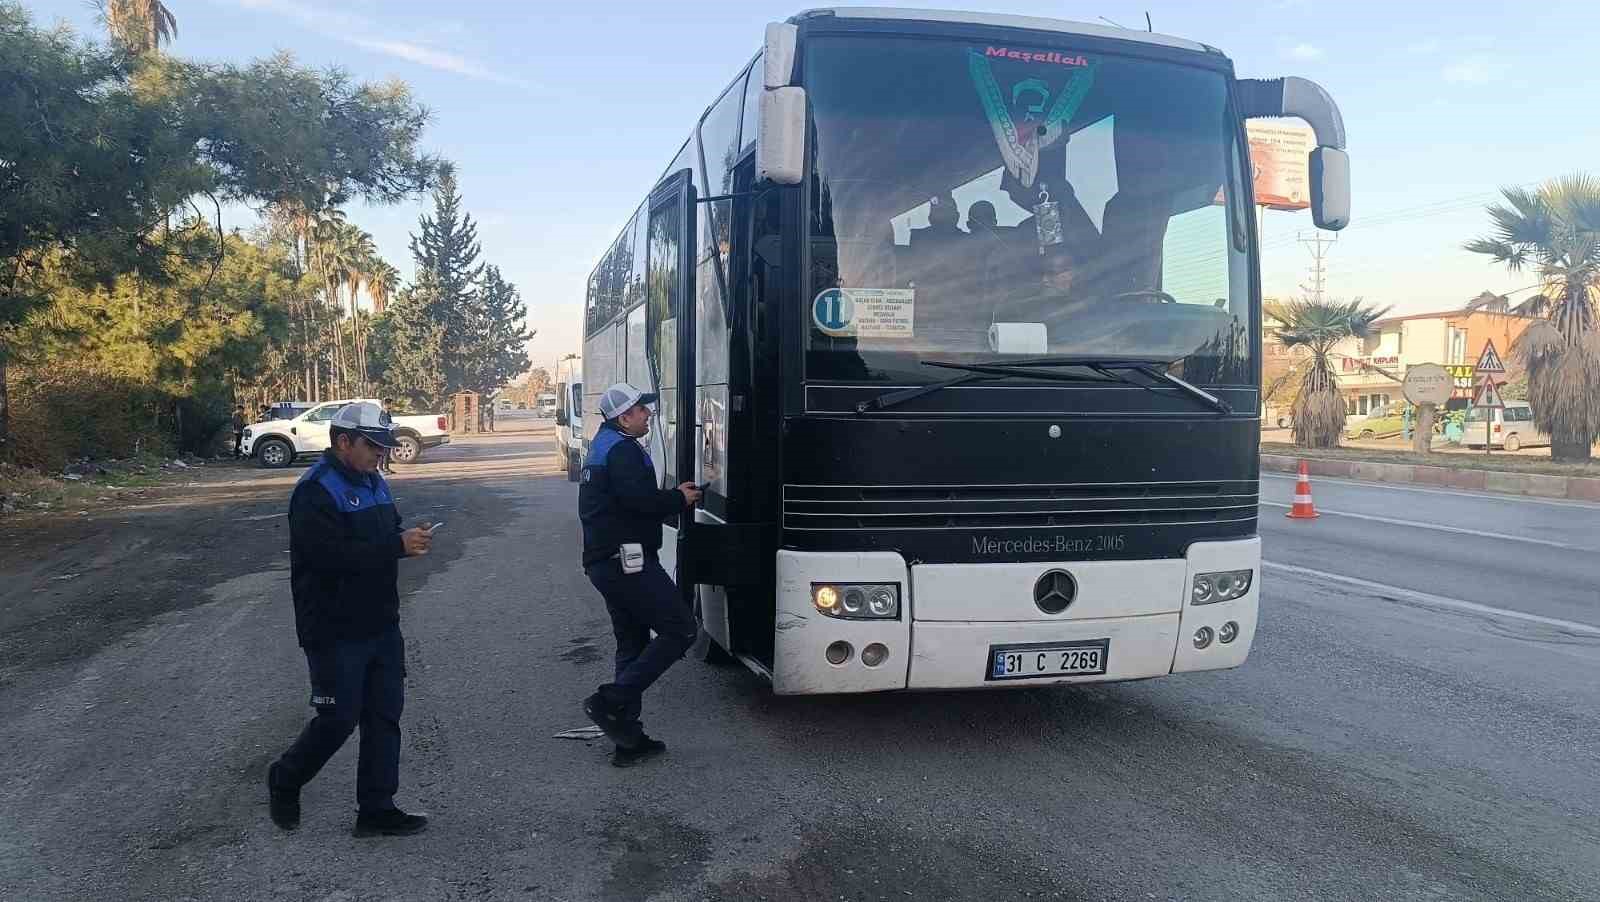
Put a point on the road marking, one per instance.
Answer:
(1438, 601)
(1453, 493)
(1439, 527)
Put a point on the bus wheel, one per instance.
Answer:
(706, 648)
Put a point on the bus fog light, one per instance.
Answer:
(874, 654)
(838, 652)
(1228, 633)
(1203, 637)
(1223, 586)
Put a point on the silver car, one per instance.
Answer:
(1510, 427)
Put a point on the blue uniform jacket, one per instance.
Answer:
(618, 500)
(344, 553)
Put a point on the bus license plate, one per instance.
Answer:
(1048, 659)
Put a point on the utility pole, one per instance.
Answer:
(1318, 244)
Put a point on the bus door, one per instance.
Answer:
(669, 346)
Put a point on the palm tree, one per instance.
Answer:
(359, 255)
(1318, 326)
(329, 255)
(384, 285)
(1489, 302)
(1555, 230)
(139, 26)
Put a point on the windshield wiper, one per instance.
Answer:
(1112, 368)
(975, 372)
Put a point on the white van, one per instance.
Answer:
(569, 414)
(1510, 427)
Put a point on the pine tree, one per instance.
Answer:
(499, 351)
(407, 351)
(446, 255)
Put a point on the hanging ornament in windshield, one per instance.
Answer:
(1044, 118)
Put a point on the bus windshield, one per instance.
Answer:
(972, 201)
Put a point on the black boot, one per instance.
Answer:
(283, 803)
(391, 822)
(612, 719)
(643, 749)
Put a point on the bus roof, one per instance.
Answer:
(1002, 20)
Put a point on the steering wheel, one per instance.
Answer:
(1156, 293)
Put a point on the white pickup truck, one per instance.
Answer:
(277, 443)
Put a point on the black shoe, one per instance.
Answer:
(643, 750)
(392, 822)
(283, 804)
(611, 719)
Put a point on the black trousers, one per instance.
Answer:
(640, 604)
(238, 443)
(355, 683)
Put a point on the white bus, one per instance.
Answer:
(958, 319)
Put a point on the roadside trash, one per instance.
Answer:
(72, 476)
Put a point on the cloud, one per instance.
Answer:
(1474, 70)
(1424, 48)
(435, 59)
(362, 31)
(1303, 52)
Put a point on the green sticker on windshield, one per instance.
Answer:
(1044, 117)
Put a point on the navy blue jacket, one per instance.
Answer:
(344, 553)
(618, 500)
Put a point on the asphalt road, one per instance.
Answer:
(1426, 733)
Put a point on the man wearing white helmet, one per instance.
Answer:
(622, 510)
(345, 543)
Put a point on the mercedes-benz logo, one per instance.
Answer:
(1054, 591)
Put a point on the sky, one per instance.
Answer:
(561, 117)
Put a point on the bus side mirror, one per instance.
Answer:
(561, 418)
(781, 140)
(1330, 188)
(1329, 165)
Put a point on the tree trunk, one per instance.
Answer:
(1575, 450)
(5, 413)
(1422, 440)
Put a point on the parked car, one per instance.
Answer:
(1386, 422)
(1510, 427)
(278, 443)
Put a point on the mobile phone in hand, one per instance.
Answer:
(435, 527)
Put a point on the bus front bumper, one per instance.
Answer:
(955, 619)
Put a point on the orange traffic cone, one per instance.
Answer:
(1303, 509)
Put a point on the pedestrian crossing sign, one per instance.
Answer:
(1490, 361)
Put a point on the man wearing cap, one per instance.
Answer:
(620, 505)
(345, 543)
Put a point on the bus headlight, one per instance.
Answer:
(1223, 586)
(857, 601)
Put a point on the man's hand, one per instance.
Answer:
(417, 540)
(691, 494)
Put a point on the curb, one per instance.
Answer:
(1574, 488)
